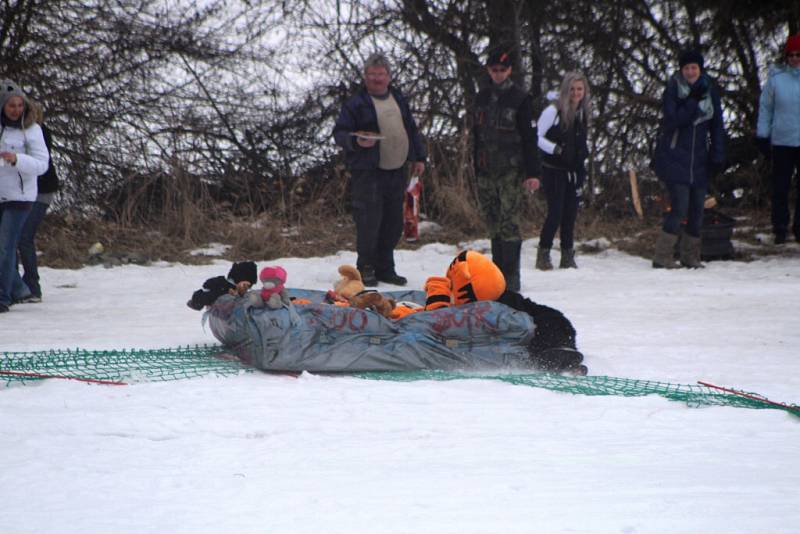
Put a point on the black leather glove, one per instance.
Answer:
(764, 146)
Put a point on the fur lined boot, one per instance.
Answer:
(664, 257)
(689, 248)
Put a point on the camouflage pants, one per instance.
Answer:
(500, 197)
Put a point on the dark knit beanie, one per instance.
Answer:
(690, 56)
(243, 271)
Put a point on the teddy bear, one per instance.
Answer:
(273, 293)
(350, 283)
(372, 300)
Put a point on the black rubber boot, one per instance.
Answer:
(497, 252)
(510, 265)
(368, 277)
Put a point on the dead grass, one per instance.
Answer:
(64, 241)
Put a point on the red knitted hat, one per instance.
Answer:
(792, 44)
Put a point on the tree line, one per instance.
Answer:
(228, 106)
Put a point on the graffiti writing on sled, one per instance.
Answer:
(343, 319)
(472, 319)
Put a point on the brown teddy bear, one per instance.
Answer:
(350, 283)
(372, 300)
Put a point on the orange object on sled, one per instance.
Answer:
(411, 210)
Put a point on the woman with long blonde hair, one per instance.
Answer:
(563, 131)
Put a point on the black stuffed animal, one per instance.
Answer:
(213, 288)
(553, 346)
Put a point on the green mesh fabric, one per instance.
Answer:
(134, 365)
(693, 395)
(158, 365)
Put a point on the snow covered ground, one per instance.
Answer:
(258, 453)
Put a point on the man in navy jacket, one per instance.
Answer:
(379, 136)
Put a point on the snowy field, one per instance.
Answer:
(273, 454)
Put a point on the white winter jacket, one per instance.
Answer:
(18, 182)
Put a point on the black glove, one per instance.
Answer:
(764, 146)
(557, 150)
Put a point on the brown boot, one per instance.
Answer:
(690, 252)
(567, 259)
(543, 262)
(664, 258)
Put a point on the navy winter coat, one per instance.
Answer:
(691, 147)
(358, 113)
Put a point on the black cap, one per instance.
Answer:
(500, 56)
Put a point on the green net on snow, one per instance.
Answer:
(135, 365)
(158, 365)
(692, 395)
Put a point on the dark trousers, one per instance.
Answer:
(27, 247)
(785, 160)
(686, 203)
(562, 208)
(377, 202)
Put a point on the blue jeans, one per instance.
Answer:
(27, 247)
(686, 203)
(12, 219)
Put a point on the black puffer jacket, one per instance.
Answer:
(48, 182)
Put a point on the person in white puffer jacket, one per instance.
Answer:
(23, 157)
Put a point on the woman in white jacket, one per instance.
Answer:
(23, 157)
(563, 129)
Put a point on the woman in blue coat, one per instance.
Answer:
(779, 130)
(689, 153)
